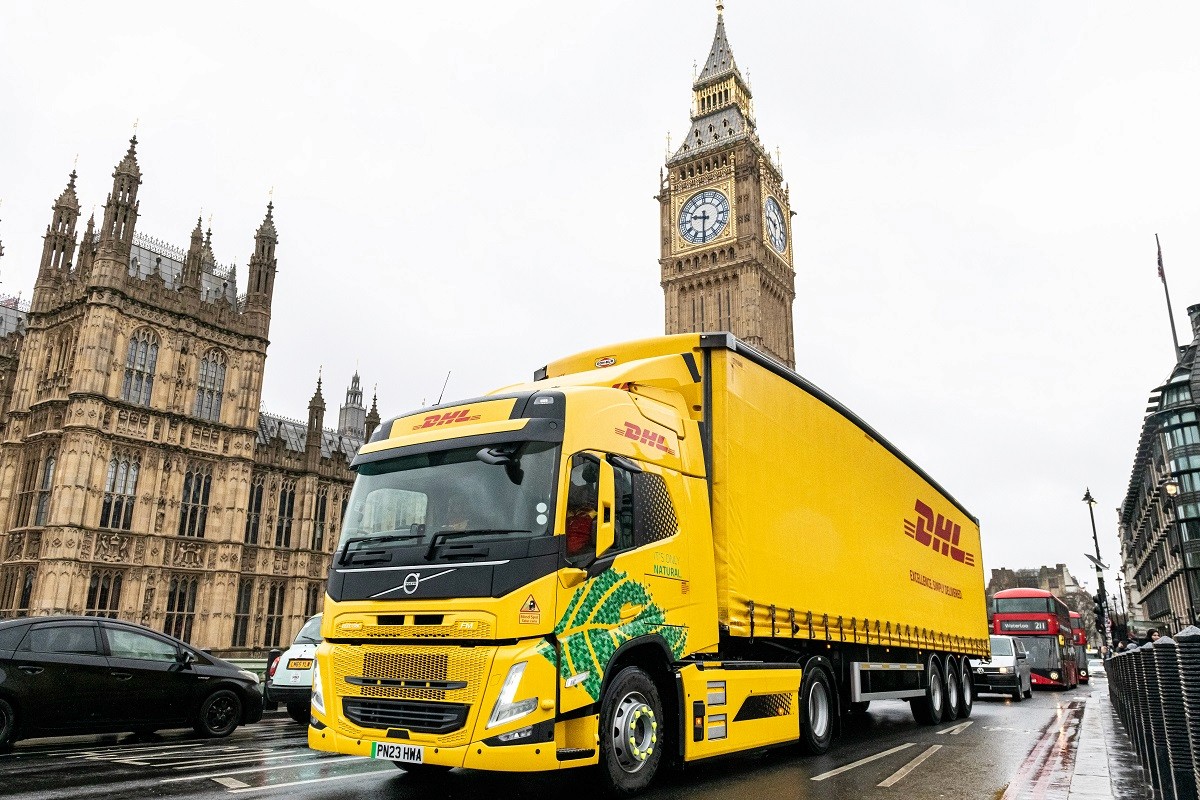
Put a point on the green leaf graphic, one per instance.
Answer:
(590, 629)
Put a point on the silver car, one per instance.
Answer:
(289, 678)
(1006, 672)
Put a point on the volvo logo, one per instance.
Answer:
(411, 581)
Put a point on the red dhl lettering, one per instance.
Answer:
(449, 418)
(938, 532)
(645, 436)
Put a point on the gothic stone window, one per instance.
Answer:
(210, 386)
(181, 606)
(274, 615)
(197, 484)
(254, 510)
(119, 489)
(319, 525)
(33, 500)
(283, 521)
(104, 593)
(140, 362)
(16, 589)
(241, 613)
(312, 599)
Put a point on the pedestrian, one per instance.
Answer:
(1154, 635)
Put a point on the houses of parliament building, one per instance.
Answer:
(138, 477)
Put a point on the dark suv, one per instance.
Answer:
(68, 675)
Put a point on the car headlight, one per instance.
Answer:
(318, 696)
(248, 675)
(506, 710)
(1005, 670)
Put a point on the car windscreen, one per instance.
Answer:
(311, 632)
(1001, 646)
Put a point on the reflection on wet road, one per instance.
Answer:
(1012, 750)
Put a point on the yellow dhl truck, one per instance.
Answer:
(656, 552)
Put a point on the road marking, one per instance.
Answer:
(224, 761)
(862, 761)
(316, 760)
(314, 780)
(231, 783)
(899, 774)
(114, 751)
(957, 729)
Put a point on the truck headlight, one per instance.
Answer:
(506, 710)
(318, 696)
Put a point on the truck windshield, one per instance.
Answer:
(457, 497)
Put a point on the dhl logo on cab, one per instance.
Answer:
(939, 532)
(646, 436)
(449, 418)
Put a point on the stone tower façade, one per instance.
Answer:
(726, 247)
(138, 477)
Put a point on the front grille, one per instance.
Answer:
(417, 717)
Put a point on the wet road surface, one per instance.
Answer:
(1015, 751)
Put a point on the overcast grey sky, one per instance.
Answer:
(469, 187)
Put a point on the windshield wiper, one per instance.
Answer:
(442, 537)
(345, 556)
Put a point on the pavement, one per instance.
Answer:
(1106, 765)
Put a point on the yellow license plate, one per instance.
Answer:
(300, 663)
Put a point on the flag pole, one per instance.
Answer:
(1170, 314)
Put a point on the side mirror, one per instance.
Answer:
(184, 657)
(605, 524)
(1022, 656)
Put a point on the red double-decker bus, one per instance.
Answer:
(1043, 623)
(1079, 637)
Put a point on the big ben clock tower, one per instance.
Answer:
(726, 222)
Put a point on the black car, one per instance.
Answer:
(67, 675)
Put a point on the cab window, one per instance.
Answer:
(582, 501)
(642, 505)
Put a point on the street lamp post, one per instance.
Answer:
(1171, 487)
(1102, 597)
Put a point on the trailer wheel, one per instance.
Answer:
(966, 689)
(816, 712)
(953, 695)
(928, 709)
(631, 722)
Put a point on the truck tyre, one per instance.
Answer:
(816, 712)
(966, 689)
(8, 725)
(953, 696)
(299, 712)
(927, 710)
(631, 723)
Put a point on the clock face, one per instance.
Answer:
(776, 229)
(704, 216)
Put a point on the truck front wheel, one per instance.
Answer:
(631, 732)
(816, 712)
(928, 709)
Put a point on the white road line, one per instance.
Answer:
(116, 750)
(171, 759)
(862, 761)
(957, 729)
(317, 760)
(235, 760)
(231, 783)
(899, 774)
(314, 780)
